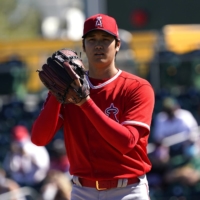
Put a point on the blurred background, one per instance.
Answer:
(160, 42)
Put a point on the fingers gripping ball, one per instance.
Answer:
(64, 75)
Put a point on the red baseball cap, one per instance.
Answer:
(101, 22)
(20, 133)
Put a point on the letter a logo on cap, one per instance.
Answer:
(99, 22)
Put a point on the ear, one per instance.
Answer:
(118, 44)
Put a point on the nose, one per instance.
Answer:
(98, 45)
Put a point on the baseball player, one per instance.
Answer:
(106, 134)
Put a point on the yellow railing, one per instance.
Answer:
(33, 53)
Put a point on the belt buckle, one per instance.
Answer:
(97, 186)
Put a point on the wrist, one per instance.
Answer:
(83, 101)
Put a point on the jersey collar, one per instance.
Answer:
(105, 83)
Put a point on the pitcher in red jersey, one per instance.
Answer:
(106, 134)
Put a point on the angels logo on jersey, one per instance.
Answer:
(112, 112)
(99, 22)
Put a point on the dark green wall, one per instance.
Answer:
(161, 12)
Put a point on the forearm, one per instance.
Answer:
(119, 136)
(47, 123)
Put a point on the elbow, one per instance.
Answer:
(38, 138)
(37, 141)
(130, 141)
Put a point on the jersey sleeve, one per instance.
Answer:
(139, 107)
(47, 123)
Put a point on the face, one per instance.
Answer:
(100, 48)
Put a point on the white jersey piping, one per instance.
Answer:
(136, 123)
(105, 83)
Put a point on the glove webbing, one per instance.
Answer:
(69, 59)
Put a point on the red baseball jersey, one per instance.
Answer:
(107, 136)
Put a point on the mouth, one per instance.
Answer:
(98, 54)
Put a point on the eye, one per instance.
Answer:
(91, 39)
(107, 39)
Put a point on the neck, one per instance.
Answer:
(102, 71)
